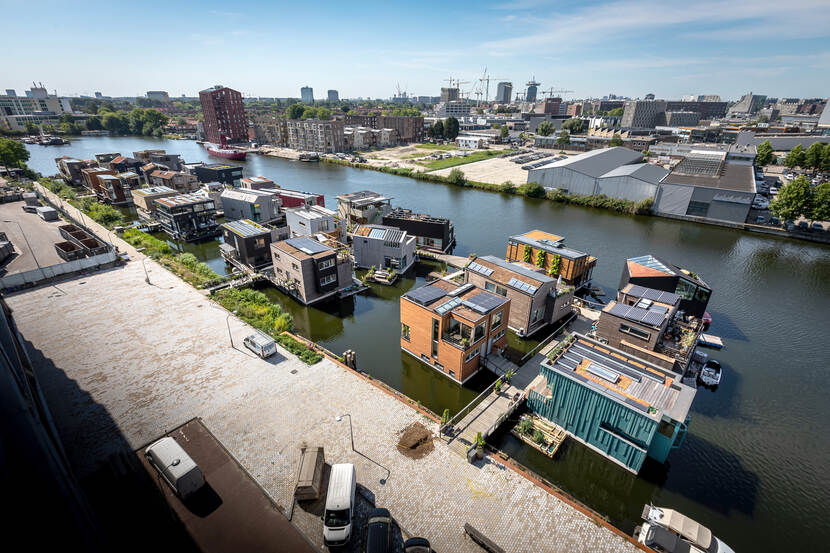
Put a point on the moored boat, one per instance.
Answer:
(223, 150)
(711, 373)
(668, 531)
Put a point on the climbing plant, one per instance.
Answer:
(554, 264)
(527, 253)
(540, 259)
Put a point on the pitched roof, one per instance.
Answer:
(644, 171)
(508, 273)
(597, 162)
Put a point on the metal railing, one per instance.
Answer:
(547, 340)
(467, 409)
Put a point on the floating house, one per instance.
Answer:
(548, 252)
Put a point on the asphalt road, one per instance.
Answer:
(42, 237)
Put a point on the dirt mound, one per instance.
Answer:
(416, 441)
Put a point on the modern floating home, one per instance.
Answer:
(652, 272)
(548, 252)
(617, 404)
(431, 233)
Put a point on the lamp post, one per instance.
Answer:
(339, 418)
(351, 432)
(27, 241)
(146, 274)
(228, 321)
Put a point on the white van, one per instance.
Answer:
(176, 466)
(261, 344)
(340, 505)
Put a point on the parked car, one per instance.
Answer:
(773, 191)
(774, 221)
(760, 219)
(817, 226)
(340, 505)
(790, 176)
(789, 225)
(416, 545)
(803, 225)
(379, 531)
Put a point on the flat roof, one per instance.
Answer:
(510, 274)
(363, 198)
(548, 242)
(231, 500)
(218, 166)
(633, 382)
(182, 199)
(468, 301)
(303, 247)
(311, 212)
(153, 190)
(406, 214)
(245, 228)
(738, 178)
(245, 194)
(381, 232)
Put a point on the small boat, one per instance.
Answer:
(711, 373)
(707, 320)
(223, 150)
(668, 531)
(311, 156)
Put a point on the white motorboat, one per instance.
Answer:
(711, 373)
(668, 531)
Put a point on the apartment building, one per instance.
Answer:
(383, 247)
(408, 128)
(548, 252)
(307, 95)
(247, 244)
(258, 206)
(504, 92)
(311, 271)
(453, 328)
(364, 207)
(224, 115)
(536, 299)
(187, 217)
(431, 233)
(333, 96)
(310, 135)
(452, 109)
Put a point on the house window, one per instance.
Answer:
(472, 355)
(537, 315)
(685, 289)
(259, 243)
(497, 319)
(279, 271)
(405, 332)
(636, 332)
(326, 264)
(480, 330)
(294, 266)
(328, 280)
(666, 429)
(490, 287)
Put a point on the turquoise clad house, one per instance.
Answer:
(618, 405)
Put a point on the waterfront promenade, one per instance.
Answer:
(121, 360)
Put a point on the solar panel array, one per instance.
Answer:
(652, 317)
(473, 266)
(394, 236)
(377, 233)
(444, 307)
(483, 302)
(652, 294)
(523, 286)
(426, 295)
(307, 245)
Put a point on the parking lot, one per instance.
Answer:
(41, 235)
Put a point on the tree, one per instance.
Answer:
(451, 128)
(574, 125)
(438, 129)
(545, 128)
(825, 158)
(821, 203)
(564, 138)
(504, 132)
(764, 154)
(94, 124)
(795, 158)
(456, 176)
(309, 112)
(294, 111)
(324, 114)
(616, 112)
(794, 200)
(813, 156)
(616, 140)
(13, 153)
(29, 128)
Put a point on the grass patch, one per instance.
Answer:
(439, 164)
(150, 245)
(601, 201)
(445, 147)
(103, 214)
(183, 265)
(306, 355)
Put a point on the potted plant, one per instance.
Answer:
(465, 342)
(497, 386)
(508, 376)
(479, 446)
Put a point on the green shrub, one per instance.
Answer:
(528, 251)
(540, 258)
(526, 426)
(532, 190)
(151, 245)
(538, 437)
(306, 355)
(456, 177)
(256, 309)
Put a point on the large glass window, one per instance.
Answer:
(702, 295)
(634, 331)
(497, 319)
(480, 330)
(685, 289)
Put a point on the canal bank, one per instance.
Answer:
(770, 301)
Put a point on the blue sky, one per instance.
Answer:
(628, 47)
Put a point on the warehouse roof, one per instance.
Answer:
(642, 171)
(597, 162)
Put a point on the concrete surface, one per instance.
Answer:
(42, 235)
(123, 361)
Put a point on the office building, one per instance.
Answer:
(682, 118)
(385, 248)
(307, 95)
(536, 299)
(312, 271)
(616, 403)
(224, 115)
(644, 114)
(548, 252)
(708, 108)
(504, 93)
(333, 96)
(38, 107)
(532, 88)
(453, 328)
(748, 104)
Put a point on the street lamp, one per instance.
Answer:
(26, 239)
(228, 321)
(351, 432)
(339, 418)
(146, 274)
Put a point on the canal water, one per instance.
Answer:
(754, 465)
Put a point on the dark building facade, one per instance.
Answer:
(650, 272)
(219, 172)
(247, 243)
(432, 233)
(187, 216)
(224, 114)
(707, 110)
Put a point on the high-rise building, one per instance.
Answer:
(504, 92)
(449, 94)
(749, 103)
(307, 94)
(333, 96)
(37, 107)
(644, 114)
(532, 88)
(224, 114)
(552, 105)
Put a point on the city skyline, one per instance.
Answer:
(629, 48)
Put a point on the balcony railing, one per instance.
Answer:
(455, 339)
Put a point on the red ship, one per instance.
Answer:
(222, 150)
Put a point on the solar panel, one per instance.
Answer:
(377, 233)
(483, 302)
(650, 317)
(426, 295)
(652, 294)
(603, 372)
(307, 245)
(444, 307)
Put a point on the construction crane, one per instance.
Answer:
(553, 91)
(486, 80)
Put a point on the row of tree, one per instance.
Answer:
(816, 157)
(147, 122)
(798, 199)
(444, 129)
(304, 111)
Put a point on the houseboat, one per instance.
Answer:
(668, 531)
(223, 150)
